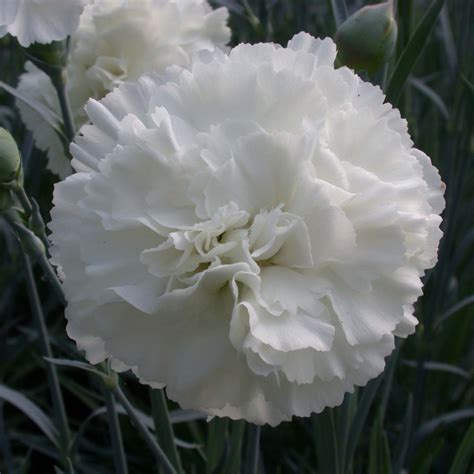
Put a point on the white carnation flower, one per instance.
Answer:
(249, 232)
(40, 21)
(118, 41)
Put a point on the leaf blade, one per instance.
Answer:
(32, 411)
(411, 53)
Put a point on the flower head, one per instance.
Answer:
(249, 231)
(40, 21)
(118, 41)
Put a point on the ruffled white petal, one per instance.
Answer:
(159, 34)
(40, 21)
(249, 231)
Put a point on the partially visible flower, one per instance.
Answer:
(366, 40)
(118, 41)
(249, 231)
(40, 21)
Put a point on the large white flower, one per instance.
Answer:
(118, 41)
(249, 232)
(40, 21)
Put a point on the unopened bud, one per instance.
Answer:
(10, 161)
(366, 40)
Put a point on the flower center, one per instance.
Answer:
(230, 236)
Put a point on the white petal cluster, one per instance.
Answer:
(249, 231)
(118, 41)
(40, 21)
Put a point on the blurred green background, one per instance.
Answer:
(417, 416)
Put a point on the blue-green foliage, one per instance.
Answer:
(416, 416)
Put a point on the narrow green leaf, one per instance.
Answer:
(345, 416)
(115, 431)
(404, 438)
(185, 416)
(216, 438)
(32, 411)
(36, 442)
(326, 440)
(412, 52)
(379, 454)
(427, 461)
(48, 115)
(76, 364)
(373, 448)
(465, 454)
(426, 429)
(448, 40)
(469, 85)
(163, 429)
(388, 378)
(142, 429)
(432, 95)
(360, 419)
(386, 465)
(237, 431)
(454, 309)
(440, 367)
(253, 449)
(339, 11)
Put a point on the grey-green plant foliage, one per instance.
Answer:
(416, 417)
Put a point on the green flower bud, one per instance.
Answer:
(10, 161)
(366, 40)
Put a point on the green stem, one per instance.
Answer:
(24, 201)
(150, 441)
(120, 460)
(59, 82)
(32, 213)
(33, 247)
(253, 448)
(163, 429)
(51, 275)
(54, 386)
(36, 225)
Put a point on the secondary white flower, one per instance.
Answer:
(117, 41)
(249, 231)
(40, 21)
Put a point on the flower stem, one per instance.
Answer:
(163, 429)
(35, 222)
(52, 277)
(35, 248)
(147, 436)
(24, 201)
(120, 460)
(253, 448)
(54, 387)
(59, 82)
